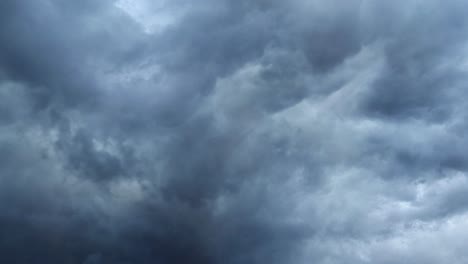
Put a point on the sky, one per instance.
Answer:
(233, 131)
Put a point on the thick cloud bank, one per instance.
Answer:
(233, 131)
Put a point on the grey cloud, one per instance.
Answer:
(317, 131)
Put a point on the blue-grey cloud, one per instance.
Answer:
(137, 131)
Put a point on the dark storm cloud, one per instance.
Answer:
(416, 81)
(45, 45)
(316, 131)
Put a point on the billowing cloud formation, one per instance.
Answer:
(216, 131)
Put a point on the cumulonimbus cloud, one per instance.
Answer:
(140, 131)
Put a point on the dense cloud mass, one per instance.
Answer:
(233, 131)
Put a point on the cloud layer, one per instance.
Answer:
(216, 131)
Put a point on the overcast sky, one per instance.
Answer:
(233, 131)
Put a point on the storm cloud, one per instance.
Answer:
(248, 131)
